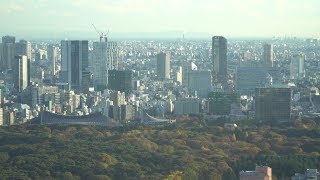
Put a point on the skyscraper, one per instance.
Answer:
(21, 70)
(267, 55)
(113, 55)
(23, 48)
(100, 65)
(297, 70)
(120, 80)
(186, 69)
(273, 104)
(163, 65)
(7, 52)
(74, 57)
(219, 59)
(53, 57)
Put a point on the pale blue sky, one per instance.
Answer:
(244, 18)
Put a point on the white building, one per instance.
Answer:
(21, 73)
(53, 57)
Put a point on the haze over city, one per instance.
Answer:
(163, 18)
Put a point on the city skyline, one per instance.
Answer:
(143, 18)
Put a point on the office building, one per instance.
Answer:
(113, 55)
(23, 48)
(163, 65)
(7, 52)
(187, 106)
(185, 72)
(120, 80)
(219, 60)
(273, 104)
(100, 65)
(1, 117)
(260, 173)
(74, 57)
(249, 78)
(297, 70)
(219, 103)
(53, 57)
(21, 71)
(267, 55)
(200, 82)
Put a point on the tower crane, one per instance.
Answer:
(101, 34)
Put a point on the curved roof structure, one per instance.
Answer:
(147, 119)
(91, 119)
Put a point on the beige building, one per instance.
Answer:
(260, 173)
(267, 55)
(163, 65)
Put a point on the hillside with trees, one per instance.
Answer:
(190, 149)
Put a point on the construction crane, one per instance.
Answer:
(101, 34)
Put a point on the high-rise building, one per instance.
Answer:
(219, 103)
(53, 57)
(100, 65)
(219, 60)
(7, 52)
(120, 80)
(249, 78)
(273, 104)
(185, 72)
(200, 81)
(163, 65)
(260, 173)
(113, 55)
(21, 70)
(23, 48)
(267, 55)
(297, 70)
(74, 57)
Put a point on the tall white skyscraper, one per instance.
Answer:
(21, 68)
(105, 56)
(297, 70)
(53, 57)
(74, 61)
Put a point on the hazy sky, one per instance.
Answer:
(244, 18)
